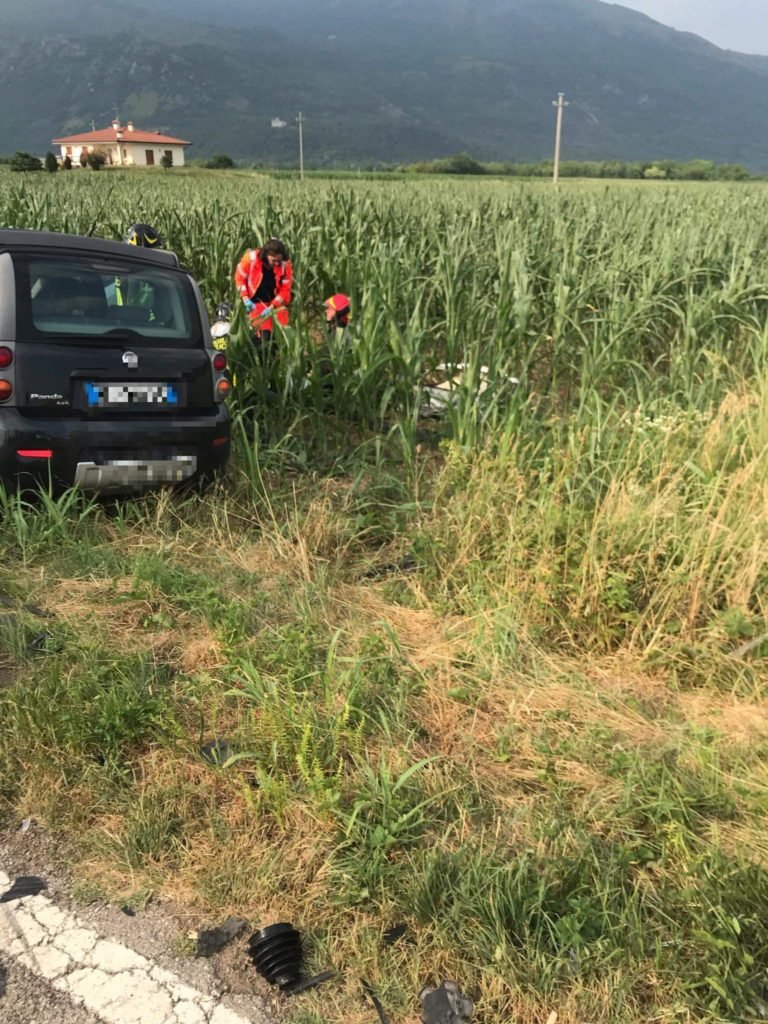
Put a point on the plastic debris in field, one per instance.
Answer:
(216, 752)
(394, 934)
(215, 939)
(33, 609)
(24, 885)
(39, 643)
(277, 955)
(405, 564)
(376, 1002)
(445, 1005)
(440, 388)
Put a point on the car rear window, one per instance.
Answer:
(79, 299)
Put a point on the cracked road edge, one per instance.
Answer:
(114, 982)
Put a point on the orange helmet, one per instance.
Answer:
(337, 309)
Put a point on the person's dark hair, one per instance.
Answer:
(274, 247)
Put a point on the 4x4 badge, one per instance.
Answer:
(131, 360)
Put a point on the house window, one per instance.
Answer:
(150, 157)
(169, 154)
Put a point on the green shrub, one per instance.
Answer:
(25, 162)
(220, 162)
(96, 160)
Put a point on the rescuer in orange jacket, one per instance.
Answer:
(264, 278)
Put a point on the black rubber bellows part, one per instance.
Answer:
(276, 954)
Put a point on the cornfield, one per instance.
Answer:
(600, 295)
(542, 743)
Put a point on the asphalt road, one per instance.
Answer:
(26, 998)
(62, 962)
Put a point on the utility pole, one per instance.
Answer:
(560, 103)
(300, 119)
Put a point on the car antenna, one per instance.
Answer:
(103, 206)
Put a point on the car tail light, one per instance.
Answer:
(219, 361)
(223, 388)
(219, 441)
(6, 390)
(35, 453)
(6, 357)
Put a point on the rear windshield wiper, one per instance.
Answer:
(116, 334)
(121, 334)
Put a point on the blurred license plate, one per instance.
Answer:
(103, 395)
(118, 474)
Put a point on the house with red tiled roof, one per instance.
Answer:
(124, 146)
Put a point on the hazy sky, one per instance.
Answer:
(733, 24)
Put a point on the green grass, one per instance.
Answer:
(543, 747)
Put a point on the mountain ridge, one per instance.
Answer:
(387, 83)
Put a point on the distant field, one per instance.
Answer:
(541, 740)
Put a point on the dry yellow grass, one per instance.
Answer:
(741, 722)
(428, 640)
(108, 609)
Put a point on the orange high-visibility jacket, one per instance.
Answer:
(248, 275)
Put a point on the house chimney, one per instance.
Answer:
(130, 126)
(116, 124)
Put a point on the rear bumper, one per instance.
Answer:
(111, 455)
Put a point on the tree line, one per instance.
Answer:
(658, 170)
(463, 163)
